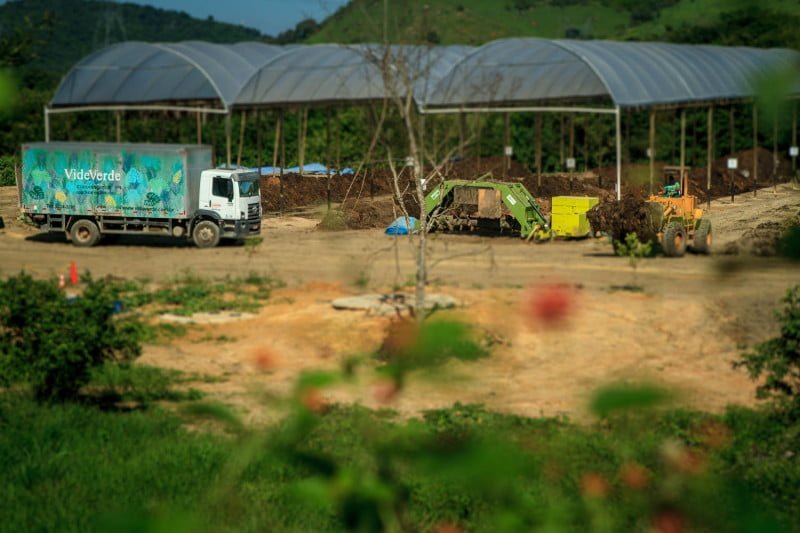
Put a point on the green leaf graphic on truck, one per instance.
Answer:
(90, 182)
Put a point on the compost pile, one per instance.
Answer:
(471, 168)
(306, 190)
(720, 177)
(632, 214)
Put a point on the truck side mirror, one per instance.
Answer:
(229, 189)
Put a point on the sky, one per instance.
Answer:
(268, 16)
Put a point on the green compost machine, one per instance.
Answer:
(491, 206)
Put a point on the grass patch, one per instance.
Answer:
(333, 220)
(141, 383)
(188, 294)
(74, 467)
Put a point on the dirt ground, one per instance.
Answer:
(695, 315)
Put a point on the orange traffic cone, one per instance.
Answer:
(73, 273)
(61, 283)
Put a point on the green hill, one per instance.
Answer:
(478, 21)
(60, 32)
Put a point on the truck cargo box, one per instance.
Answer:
(145, 180)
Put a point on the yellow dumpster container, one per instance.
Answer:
(569, 215)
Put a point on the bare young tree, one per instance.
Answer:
(404, 71)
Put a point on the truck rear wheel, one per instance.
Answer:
(84, 233)
(206, 234)
(702, 237)
(674, 240)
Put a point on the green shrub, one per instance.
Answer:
(7, 173)
(777, 361)
(52, 342)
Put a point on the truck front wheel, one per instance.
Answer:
(206, 234)
(84, 233)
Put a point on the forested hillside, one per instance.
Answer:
(766, 23)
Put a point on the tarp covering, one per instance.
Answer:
(132, 73)
(318, 73)
(523, 71)
(310, 168)
(504, 73)
(400, 226)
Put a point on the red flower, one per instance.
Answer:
(312, 400)
(385, 390)
(634, 475)
(669, 521)
(264, 359)
(594, 485)
(446, 527)
(550, 305)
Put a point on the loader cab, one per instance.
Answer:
(233, 195)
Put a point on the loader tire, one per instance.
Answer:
(702, 238)
(206, 234)
(674, 241)
(84, 233)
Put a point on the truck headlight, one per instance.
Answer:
(241, 215)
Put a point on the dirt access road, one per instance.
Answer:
(692, 319)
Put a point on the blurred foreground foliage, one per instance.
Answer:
(776, 362)
(75, 467)
(637, 464)
(52, 342)
(118, 460)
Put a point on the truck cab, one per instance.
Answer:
(230, 199)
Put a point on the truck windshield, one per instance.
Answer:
(248, 188)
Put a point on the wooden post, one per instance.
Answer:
(627, 142)
(618, 125)
(794, 135)
(199, 128)
(538, 133)
(258, 141)
(709, 153)
(506, 142)
(118, 117)
(652, 144)
(282, 163)
(732, 130)
(228, 139)
(586, 143)
(338, 143)
(276, 142)
(478, 128)
(242, 124)
(461, 127)
(683, 138)
(328, 155)
(46, 126)
(775, 153)
(435, 140)
(755, 149)
(302, 127)
(421, 140)
(572, 135)
(561, 143)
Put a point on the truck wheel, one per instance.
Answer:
(84, 233)
(206, 234)
(702, 237)
(674, 240)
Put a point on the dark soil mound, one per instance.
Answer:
(632, 214)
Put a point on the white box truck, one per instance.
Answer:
(87, 190)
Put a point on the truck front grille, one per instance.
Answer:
(253, 212)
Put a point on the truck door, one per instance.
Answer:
(219, 194)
